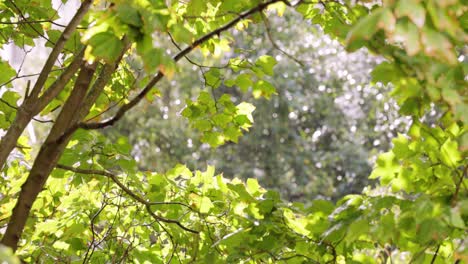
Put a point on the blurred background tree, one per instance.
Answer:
(315, 138)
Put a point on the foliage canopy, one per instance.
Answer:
(79, 196)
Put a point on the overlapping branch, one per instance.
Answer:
(121, 112)
(58, 47)
(34, 102)
(132, 194)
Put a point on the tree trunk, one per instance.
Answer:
(47, 157)
(8, 142)
(32, 106)
(75, 109)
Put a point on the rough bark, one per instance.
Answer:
(47, 158)
(104, 77)
(65, 126)
(8, 142)
(60, 83)
(32, 106)
(74, 110)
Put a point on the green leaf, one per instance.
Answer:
(72, 44)
(456, 220)
(460, 111)
(387, 167)
(296, 224)
(106, 46)
(6, 72)
(412, 9)
(253, 187)
(192, 111)
(263, 88)
(180, 170)
(77, 244)
(214, 139)
(451, 96)
(213, 78)
(240, 190)
(222, 120)
(7, 255)
(280, 7)
(309, 11)
(245, 109)
(408, 34)
(152, 94)
(428, 230)
(232, 133)
(449, 153)
(202, 125)
(129, 15)
(182, 34)
(463, 140)
(356, 229)
(364, 30)
(229, 82)
(407, 88)
(156, 59)
(11, 98)
(60, 245)
(195, 7)
(205, 98)
(385, 73)
(205, 205)
(401, 148)
(438, 46)
(266, 63)
(244, 81)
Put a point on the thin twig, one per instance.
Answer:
(58, 47)
(457, 190)
(32, 27)
(435, 255)
(132, 194)
(199, 65)
(25, 76)
(36, 22)
(275, 45)
(16, 108)
(121, 112)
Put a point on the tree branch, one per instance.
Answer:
(121, 112)
(275, 45)
(130, 193)
(199, 65)
(60, 83)
(457, 190)
(435, 255)
(58, 47)
(104, 77)
(33, 104)
(47, 157)
(36, 22)
(29, 24)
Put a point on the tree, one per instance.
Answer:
(314, 138)
(84, 199)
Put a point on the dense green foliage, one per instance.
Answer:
(315, 137)
(78, 196)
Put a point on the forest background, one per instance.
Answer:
(267, 93)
